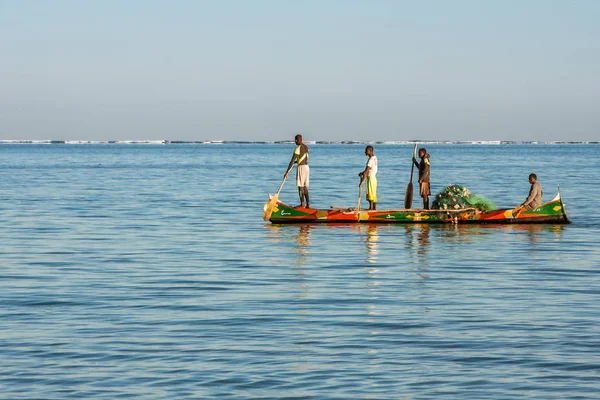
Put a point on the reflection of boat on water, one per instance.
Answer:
(552, 212)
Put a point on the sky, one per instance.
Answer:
(268, 69)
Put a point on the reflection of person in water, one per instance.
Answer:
(533, 232)
(372, 246)
(302, 244)
(303, 238)
(302, 254)
(424, 240)
(417, 242)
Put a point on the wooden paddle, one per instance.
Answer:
(408, 198)
(273, 201)
(517, 211)
(358, 206)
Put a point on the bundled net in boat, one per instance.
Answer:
(456, 196)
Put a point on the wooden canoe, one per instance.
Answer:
(552, 212)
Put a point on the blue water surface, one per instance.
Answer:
(146, 271)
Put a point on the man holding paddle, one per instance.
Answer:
(424, 166)
(300, 157)
(370, 174)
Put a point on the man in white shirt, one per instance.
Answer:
(370, 174)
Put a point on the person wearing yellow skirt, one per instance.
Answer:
(370, 175)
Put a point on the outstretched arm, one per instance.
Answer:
(289, 168)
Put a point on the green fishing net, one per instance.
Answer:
(456, 197)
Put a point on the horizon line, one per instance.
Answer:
(312, 142)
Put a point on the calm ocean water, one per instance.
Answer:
(146, 271)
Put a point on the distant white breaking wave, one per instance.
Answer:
(310, 142)
(26, 141)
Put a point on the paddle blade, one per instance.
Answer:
(408, 198)
(517, 211)
(270, 206)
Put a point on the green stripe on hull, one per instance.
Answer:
(410, 217)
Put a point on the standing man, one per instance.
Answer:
(370, 173)
(424, 166)
(300, 157)
(534, 200)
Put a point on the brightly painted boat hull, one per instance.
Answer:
(552, 212)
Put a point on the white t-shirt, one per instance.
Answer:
(372, 164)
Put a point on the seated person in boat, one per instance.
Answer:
(534, 200)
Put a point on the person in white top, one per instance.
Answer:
(370, 175)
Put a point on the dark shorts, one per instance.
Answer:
(425, 190)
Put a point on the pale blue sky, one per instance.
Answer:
(333, 70)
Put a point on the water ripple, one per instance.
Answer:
(154, 276)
